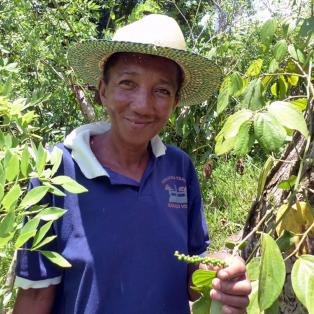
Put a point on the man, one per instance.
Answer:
(143, 200)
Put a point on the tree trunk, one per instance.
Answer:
(272, 198)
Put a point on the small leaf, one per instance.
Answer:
(25, 159)
(10, 199)
(263, 176)
(269, 133)
(302, 277)
(280, 49)
(12, 167)
(273, 66)
(51, 213)
(34, 196)
(255, 68)
(293, 80)
(69, 184)
(244, 139)
(56, 258)
(55, 158)
(203, 277)
(273, 89)
(253, 95)
(41, 233)
(7, 224)
(2, 174)
(236, 83)
(272, 272)
(268, 30)
(41, 157)
(223, 100)
(28, 231)
(287, 184)
(201, 306)
(289, 116)
(282, 87)
(44, 242)
(300, 103)
(1, 192)
(296, 53)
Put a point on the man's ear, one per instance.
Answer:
(102, 91)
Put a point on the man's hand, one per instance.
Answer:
(231, 287)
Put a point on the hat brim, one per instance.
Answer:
(202, 77)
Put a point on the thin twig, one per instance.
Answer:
(301, 242)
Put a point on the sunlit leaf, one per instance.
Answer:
(69, 184)
(287, 184)
(34, 196)
(44, 242)
(302, 278)
(272, 272)
(41, 233)
(11, 197)
(223, 146)
(253, 268)
(268, 30)
(253, 307)
(56, 258)
(55, 158)
(300, 103)
(12, 167)
(28, 231)
(25, 161)
(289, 116)
(236, 83)
(41, 157)
(223, 100)
(273, 66)
(282, 87)
(244, 139)
(296, 53)
(202, 277)
(51, 213)
(280, 50)
(255, 68)
(293, 80)
(7, 224)
(201, 306)
(268, 131)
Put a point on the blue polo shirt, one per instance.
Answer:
(121, 235)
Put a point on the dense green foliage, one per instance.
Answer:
(265, 95)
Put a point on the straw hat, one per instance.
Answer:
(154, 34)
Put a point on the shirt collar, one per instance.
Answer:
(79, 143)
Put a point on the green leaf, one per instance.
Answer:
(223, 146)
(273, 89)
(282, 87)
(51, 213)
(253, 307)
(2, 174)
(286, 240)
(1, 192)
(244, 139)
(268, 30)
(53, 189)
(216, 307)
(56, 258)
(280, 50)
(234, 122)
(236, 83)
(287, 184)
(223, 100)
(302, 277)
(202, 277)
(268, 131)
(34, 196)
(7, 224)
(272, 272)
(253, 268)
(296, 53)
(263, 176)
(300, 103)
(41, 233)
(253, 95)
(55, 158)
(293, 80)
(289, 116)
(307, 28)
(12, 167)
(41, 157)
(28, 231)
(25, 159)
(201, 306)
(273, 66)
(274, 309)
(255, 68)
(10, 199)
(69, 184)
(44, 242)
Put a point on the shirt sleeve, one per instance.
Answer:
(198, 232)
(33, 270)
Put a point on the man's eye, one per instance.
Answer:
(163, 91)
(126, 83)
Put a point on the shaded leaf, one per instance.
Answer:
(296, 53)
(41, 233)
(289, 116)
(272, 272)
(280, 50)
(268, 30)
(56, 258)
(273, 66)
(302, 278)
(223, 100)
(44, 242)
(7, 224)
(268, 131)
(201, 306)
(307, 28)
(236, 83)
(253, 95)
(244, 140)
(216, 307)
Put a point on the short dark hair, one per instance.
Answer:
(114, 58)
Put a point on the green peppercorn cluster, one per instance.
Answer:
(195, 259)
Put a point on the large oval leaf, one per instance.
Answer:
(268, 131)
(272, 272)
(289, 116)
(244, 140)
(302, 278)
(253, 95)
(280, 49)
(223, 100)
(268, 30)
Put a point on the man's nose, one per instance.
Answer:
(142, 103)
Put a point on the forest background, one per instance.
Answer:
(265, 50)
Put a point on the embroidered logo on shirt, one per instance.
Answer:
(176, 188)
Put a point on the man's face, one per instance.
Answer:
(139, 96)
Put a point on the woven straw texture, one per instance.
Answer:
(201, 76)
